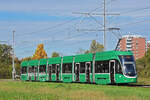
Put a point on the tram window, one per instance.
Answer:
(49, 68)
(75, 68)
(53, 68)
(58, 67)
(67, 68)
(82, 67)
(24, 70)
(42, 69)
(30, 69)
(102, 67)
(89, 66)
(118, 68)
(35, 69)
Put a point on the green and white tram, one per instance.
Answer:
(101, 68)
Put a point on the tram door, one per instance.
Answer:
(112, 71)
(50, 72)
(88, 70)
(77, 71)
(57, 72)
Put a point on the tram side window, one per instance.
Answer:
(67, 68)
(49, 68)
(42, 69)
(75, 66)
(30, 69)
(82, 67)
(102, 67)
(24, 70)
(53, 68)
(58, 67)
(89, 66)
(118, 68)
(36, 69)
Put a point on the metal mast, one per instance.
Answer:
(13, 57)
(104, 21)
(105, 28)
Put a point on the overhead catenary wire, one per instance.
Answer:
(135, 10)
(89, 14)
(44, 39)
(118, 37)
(96, 20)
(67, 45)
(49, 28)
(47, 39)
(101, 7)
(68, 38)
(137, 22)
(82, 33)
(141, 16)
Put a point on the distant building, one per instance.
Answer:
(135, 43)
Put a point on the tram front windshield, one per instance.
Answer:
(129, 69)
(128, 65)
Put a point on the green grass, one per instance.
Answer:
(17, 90)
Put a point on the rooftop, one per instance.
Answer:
(132, 35)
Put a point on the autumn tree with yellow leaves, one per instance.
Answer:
(26, 59)
(40, 52)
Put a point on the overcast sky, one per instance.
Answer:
(53, 23)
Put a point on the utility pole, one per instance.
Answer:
(104, 21)
(13, 57)
(104, 14)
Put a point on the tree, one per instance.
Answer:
(5, 61)
(40, 52)
(5, 53)
(87, 51)
(26, 59)
(143, 65)
(147, 56)
(80, 51)
(55, 54)
(96, 47)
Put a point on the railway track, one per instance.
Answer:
(144, 86)
(134, 85)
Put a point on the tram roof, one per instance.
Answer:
(68, 59)
(84, 57)
(43, 61)
(107, 55)
(24, 64)
(54, 60)
(33, 62)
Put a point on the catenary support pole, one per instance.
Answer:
(13, 57)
